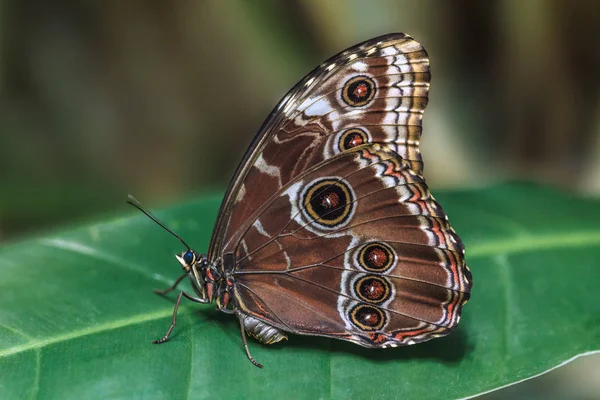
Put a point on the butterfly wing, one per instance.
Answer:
(354, 248)
(374, 92)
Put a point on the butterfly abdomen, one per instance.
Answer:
(262, 331)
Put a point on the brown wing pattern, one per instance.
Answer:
(374, 92)
(354, 248)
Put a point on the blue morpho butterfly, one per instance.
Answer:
(328, 227)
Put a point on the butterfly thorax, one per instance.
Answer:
(214, 283)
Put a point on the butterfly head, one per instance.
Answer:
(190, 260)
(203, 274)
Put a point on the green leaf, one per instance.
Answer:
(77, 313)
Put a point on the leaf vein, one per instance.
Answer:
(108, 326)
(533, 243)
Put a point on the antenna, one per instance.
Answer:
(133, 201)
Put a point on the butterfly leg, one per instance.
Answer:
(243, 331)
(174, 320)
(173, 286)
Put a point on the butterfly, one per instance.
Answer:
(328, 227)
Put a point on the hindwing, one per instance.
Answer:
(356, 248)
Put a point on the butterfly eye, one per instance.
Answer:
(188, 257)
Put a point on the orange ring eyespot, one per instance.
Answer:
(351, 138)
(376, 257)
(367, 318)
(373, 289)
(358, 91)
(329, 202)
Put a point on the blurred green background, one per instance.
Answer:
(161, 98)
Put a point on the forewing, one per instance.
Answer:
(374, 92)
